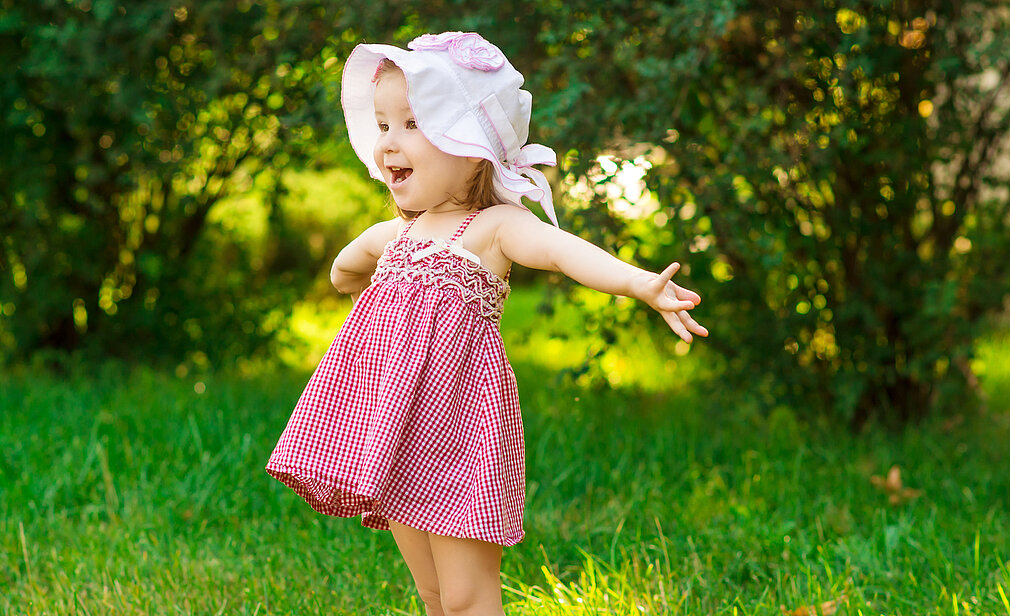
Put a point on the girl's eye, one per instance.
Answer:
(383, 127)
(411, 124)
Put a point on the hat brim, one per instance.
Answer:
(357, 97)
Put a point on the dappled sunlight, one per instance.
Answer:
(992, 367)
(663, 579)
(620, 182)
(312, 326)
(642, 585)
(554, 343)
(638, 357)
(629, 363)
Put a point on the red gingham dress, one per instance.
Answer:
(413, 413)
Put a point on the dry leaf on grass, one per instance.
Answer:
(825, 609)
(952, 422)
(897, 493)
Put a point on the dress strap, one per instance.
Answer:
(463, 226)
(409, 223)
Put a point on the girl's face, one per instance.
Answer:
(419, 175)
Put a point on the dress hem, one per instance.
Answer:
(374, 513)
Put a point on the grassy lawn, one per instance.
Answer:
(134, 491)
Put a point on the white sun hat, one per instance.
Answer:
(466, 99)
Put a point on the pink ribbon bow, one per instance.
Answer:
(529, 155)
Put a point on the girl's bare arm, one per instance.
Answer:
(352, 269)
(524, 239)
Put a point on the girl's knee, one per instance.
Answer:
(432, 601)
(462, 601)
(457, 603)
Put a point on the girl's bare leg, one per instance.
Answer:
(416, 551)
(469, 575)
(455, 577)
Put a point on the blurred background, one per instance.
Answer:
(834, 175)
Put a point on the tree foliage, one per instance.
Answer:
(842, 162)
(124, 125)
(832, 173)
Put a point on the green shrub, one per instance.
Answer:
(124, 127)
(832, 175)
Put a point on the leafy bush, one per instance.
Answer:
(832, 174)
(124, 127)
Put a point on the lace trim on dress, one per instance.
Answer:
(475, 284)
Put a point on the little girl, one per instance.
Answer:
(412, 418)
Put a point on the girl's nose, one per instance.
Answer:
(388, 142)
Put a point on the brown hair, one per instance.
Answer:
(480, 189)
(385, 66)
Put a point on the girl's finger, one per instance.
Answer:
(691, 324)
(670, 304)
(667, 274)
(673, 320)
(682, 293)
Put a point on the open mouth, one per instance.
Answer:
(399, 174)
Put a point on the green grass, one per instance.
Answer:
(134, 491)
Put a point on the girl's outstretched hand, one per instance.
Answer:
(671, 301)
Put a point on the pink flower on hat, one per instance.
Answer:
(467, 49)
(433, 41)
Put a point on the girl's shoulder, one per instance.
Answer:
(505, 214)
(503, 226)
(508, 220)
(375, 238)
(387, 228)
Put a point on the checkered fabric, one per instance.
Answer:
(413, 413)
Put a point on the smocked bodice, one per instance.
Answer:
(410, 261)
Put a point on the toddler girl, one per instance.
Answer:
(412, 418)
